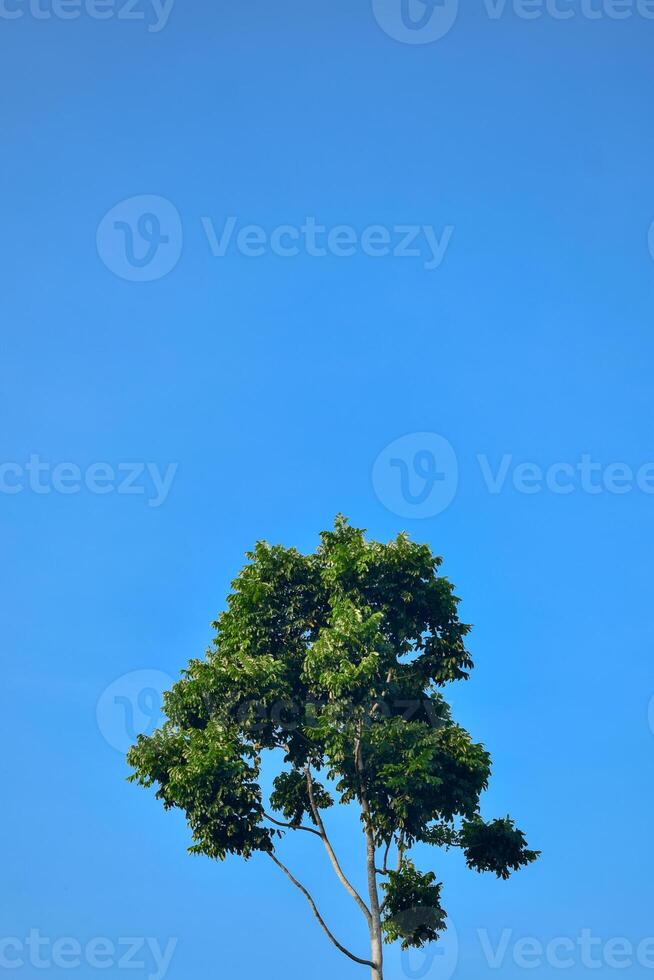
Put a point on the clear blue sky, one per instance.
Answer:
(274, 383)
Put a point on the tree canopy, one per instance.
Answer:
(337, 660)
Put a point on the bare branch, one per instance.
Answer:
(357, 959)
(330, 850)
(291, 826)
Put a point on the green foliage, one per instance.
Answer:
(290, 796)
(414, 773)
(212, 776)
(413, 912)
(336, 662)
(496, 846)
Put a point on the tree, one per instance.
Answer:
(335, 662)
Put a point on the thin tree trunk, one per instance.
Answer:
(376, 944)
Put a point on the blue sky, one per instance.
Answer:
(245, 396)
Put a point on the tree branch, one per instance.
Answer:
(400, 860)
(291, 826)
(400, 851)
(330, 850)
(357, 959)
(385, 864)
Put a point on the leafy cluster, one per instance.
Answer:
(291, 798)
(413, 912)
(496, 846)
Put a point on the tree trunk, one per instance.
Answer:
(376, 945)
(376, 950)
